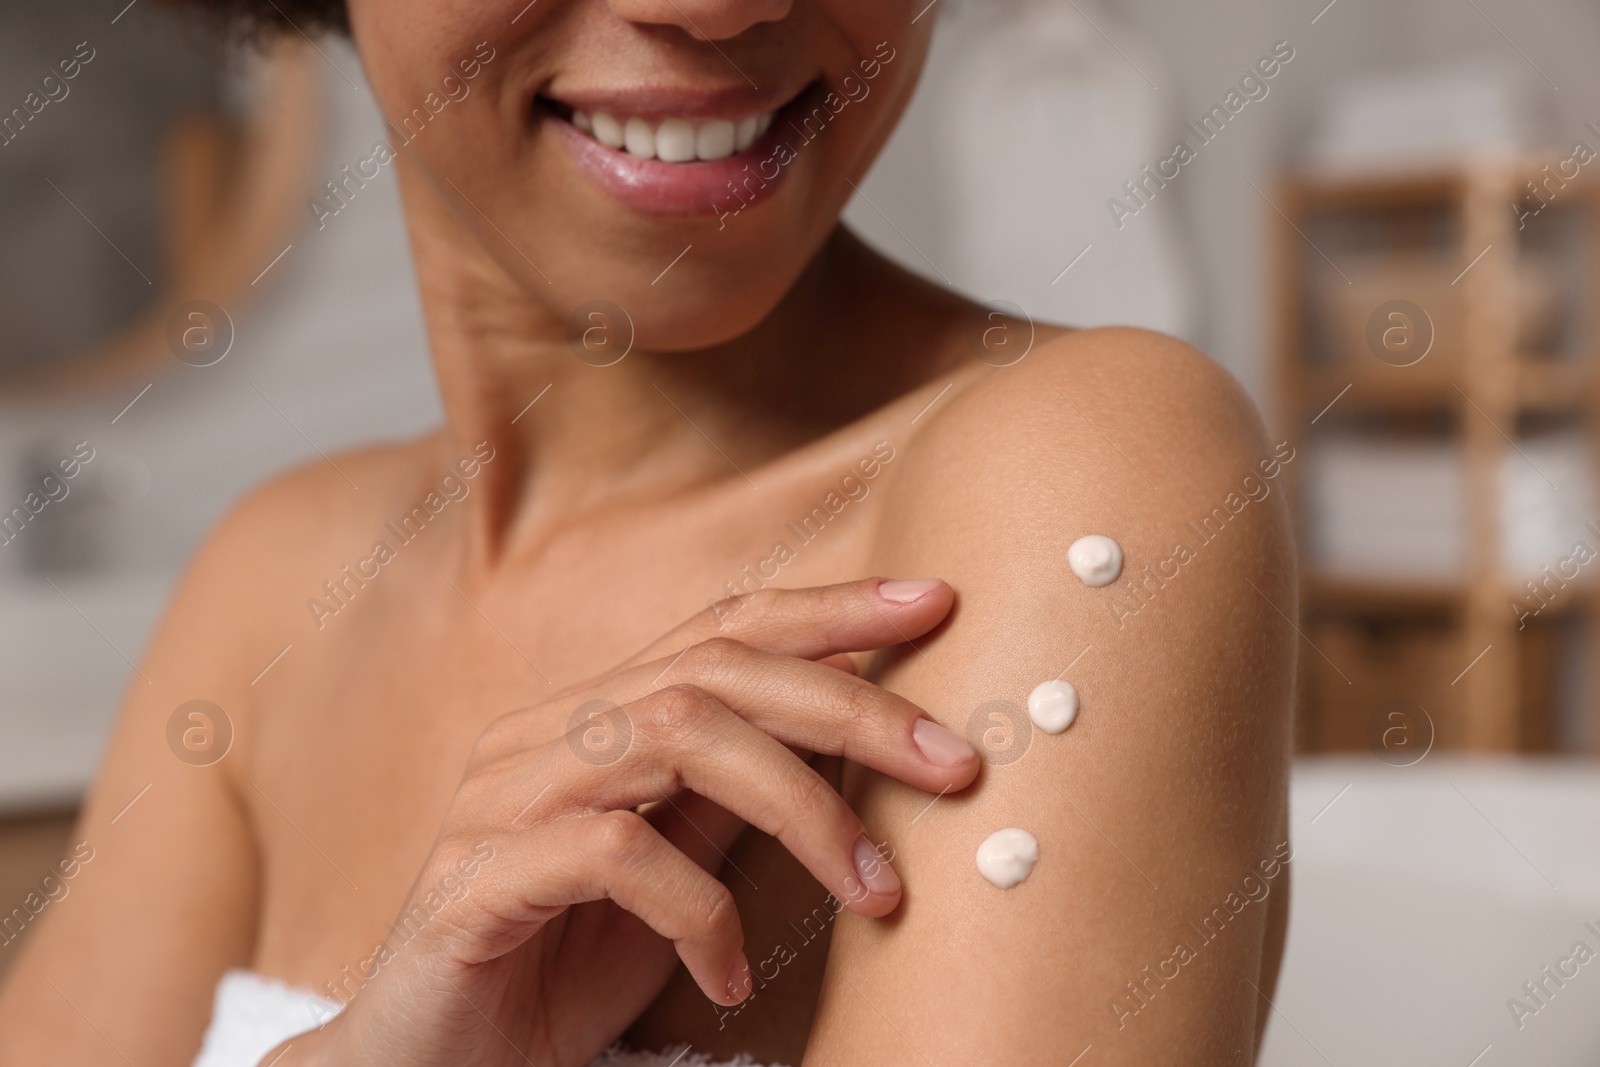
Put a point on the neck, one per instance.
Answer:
(570, 437)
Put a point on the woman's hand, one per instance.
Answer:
(548, 916)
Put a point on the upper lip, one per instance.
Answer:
(654, 102)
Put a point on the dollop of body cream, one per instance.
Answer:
(1095, 559)
(1053, 705)
(1006, 857)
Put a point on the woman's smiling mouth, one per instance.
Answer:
(674, 140)
(670, 154)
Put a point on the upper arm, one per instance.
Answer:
(1161, 813)
(129, 947)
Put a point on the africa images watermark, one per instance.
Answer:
(1144, 987)
(1552, 978)
(852, 487)
(1544, 192)
(743, 192)
(53, 889)
(52, 90)
(341, 591)
(1542, 592)
(453, 888)
(813, 925)
(342, 191)
(50, 490)
(1139, 592)
(1252, 86)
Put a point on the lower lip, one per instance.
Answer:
(703, 189)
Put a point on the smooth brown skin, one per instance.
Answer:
(417, 718)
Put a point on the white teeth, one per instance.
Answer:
(639, 139)
(714, 140)
(673, 140)
(607, 130)
(746, 134)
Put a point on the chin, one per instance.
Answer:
(697, 250)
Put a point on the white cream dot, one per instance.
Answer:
(1095, 559)
(1006, 857)
(1053, 705)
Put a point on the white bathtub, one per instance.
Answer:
(1423, 898)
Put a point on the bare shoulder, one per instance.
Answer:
(1169, 789)
(1121, 432)
(231, 601)
(1101, 406)
(310, 505)
(166, 819)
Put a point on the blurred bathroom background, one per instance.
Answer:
(1384, 220)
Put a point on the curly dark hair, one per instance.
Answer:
(267, 18)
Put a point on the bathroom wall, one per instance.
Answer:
(1197, 51)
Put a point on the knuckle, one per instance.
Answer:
(599, 732)
(502, 734)
(810, 795)
(715, 656)
(823, 602)
(678, 712)
(856, 704)
(479, 793)
(719, 912)
(457, 858)
(620, 835)
(450, 848)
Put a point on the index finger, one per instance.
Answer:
(819, 621)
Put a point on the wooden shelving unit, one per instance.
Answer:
(1481, 390)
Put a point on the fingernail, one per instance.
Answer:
(940, 746)
(739, 978)
(876, 875)
(905, 590)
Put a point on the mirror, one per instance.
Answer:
(157, 176)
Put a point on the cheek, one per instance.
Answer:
(409, 47)
(883, 45)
